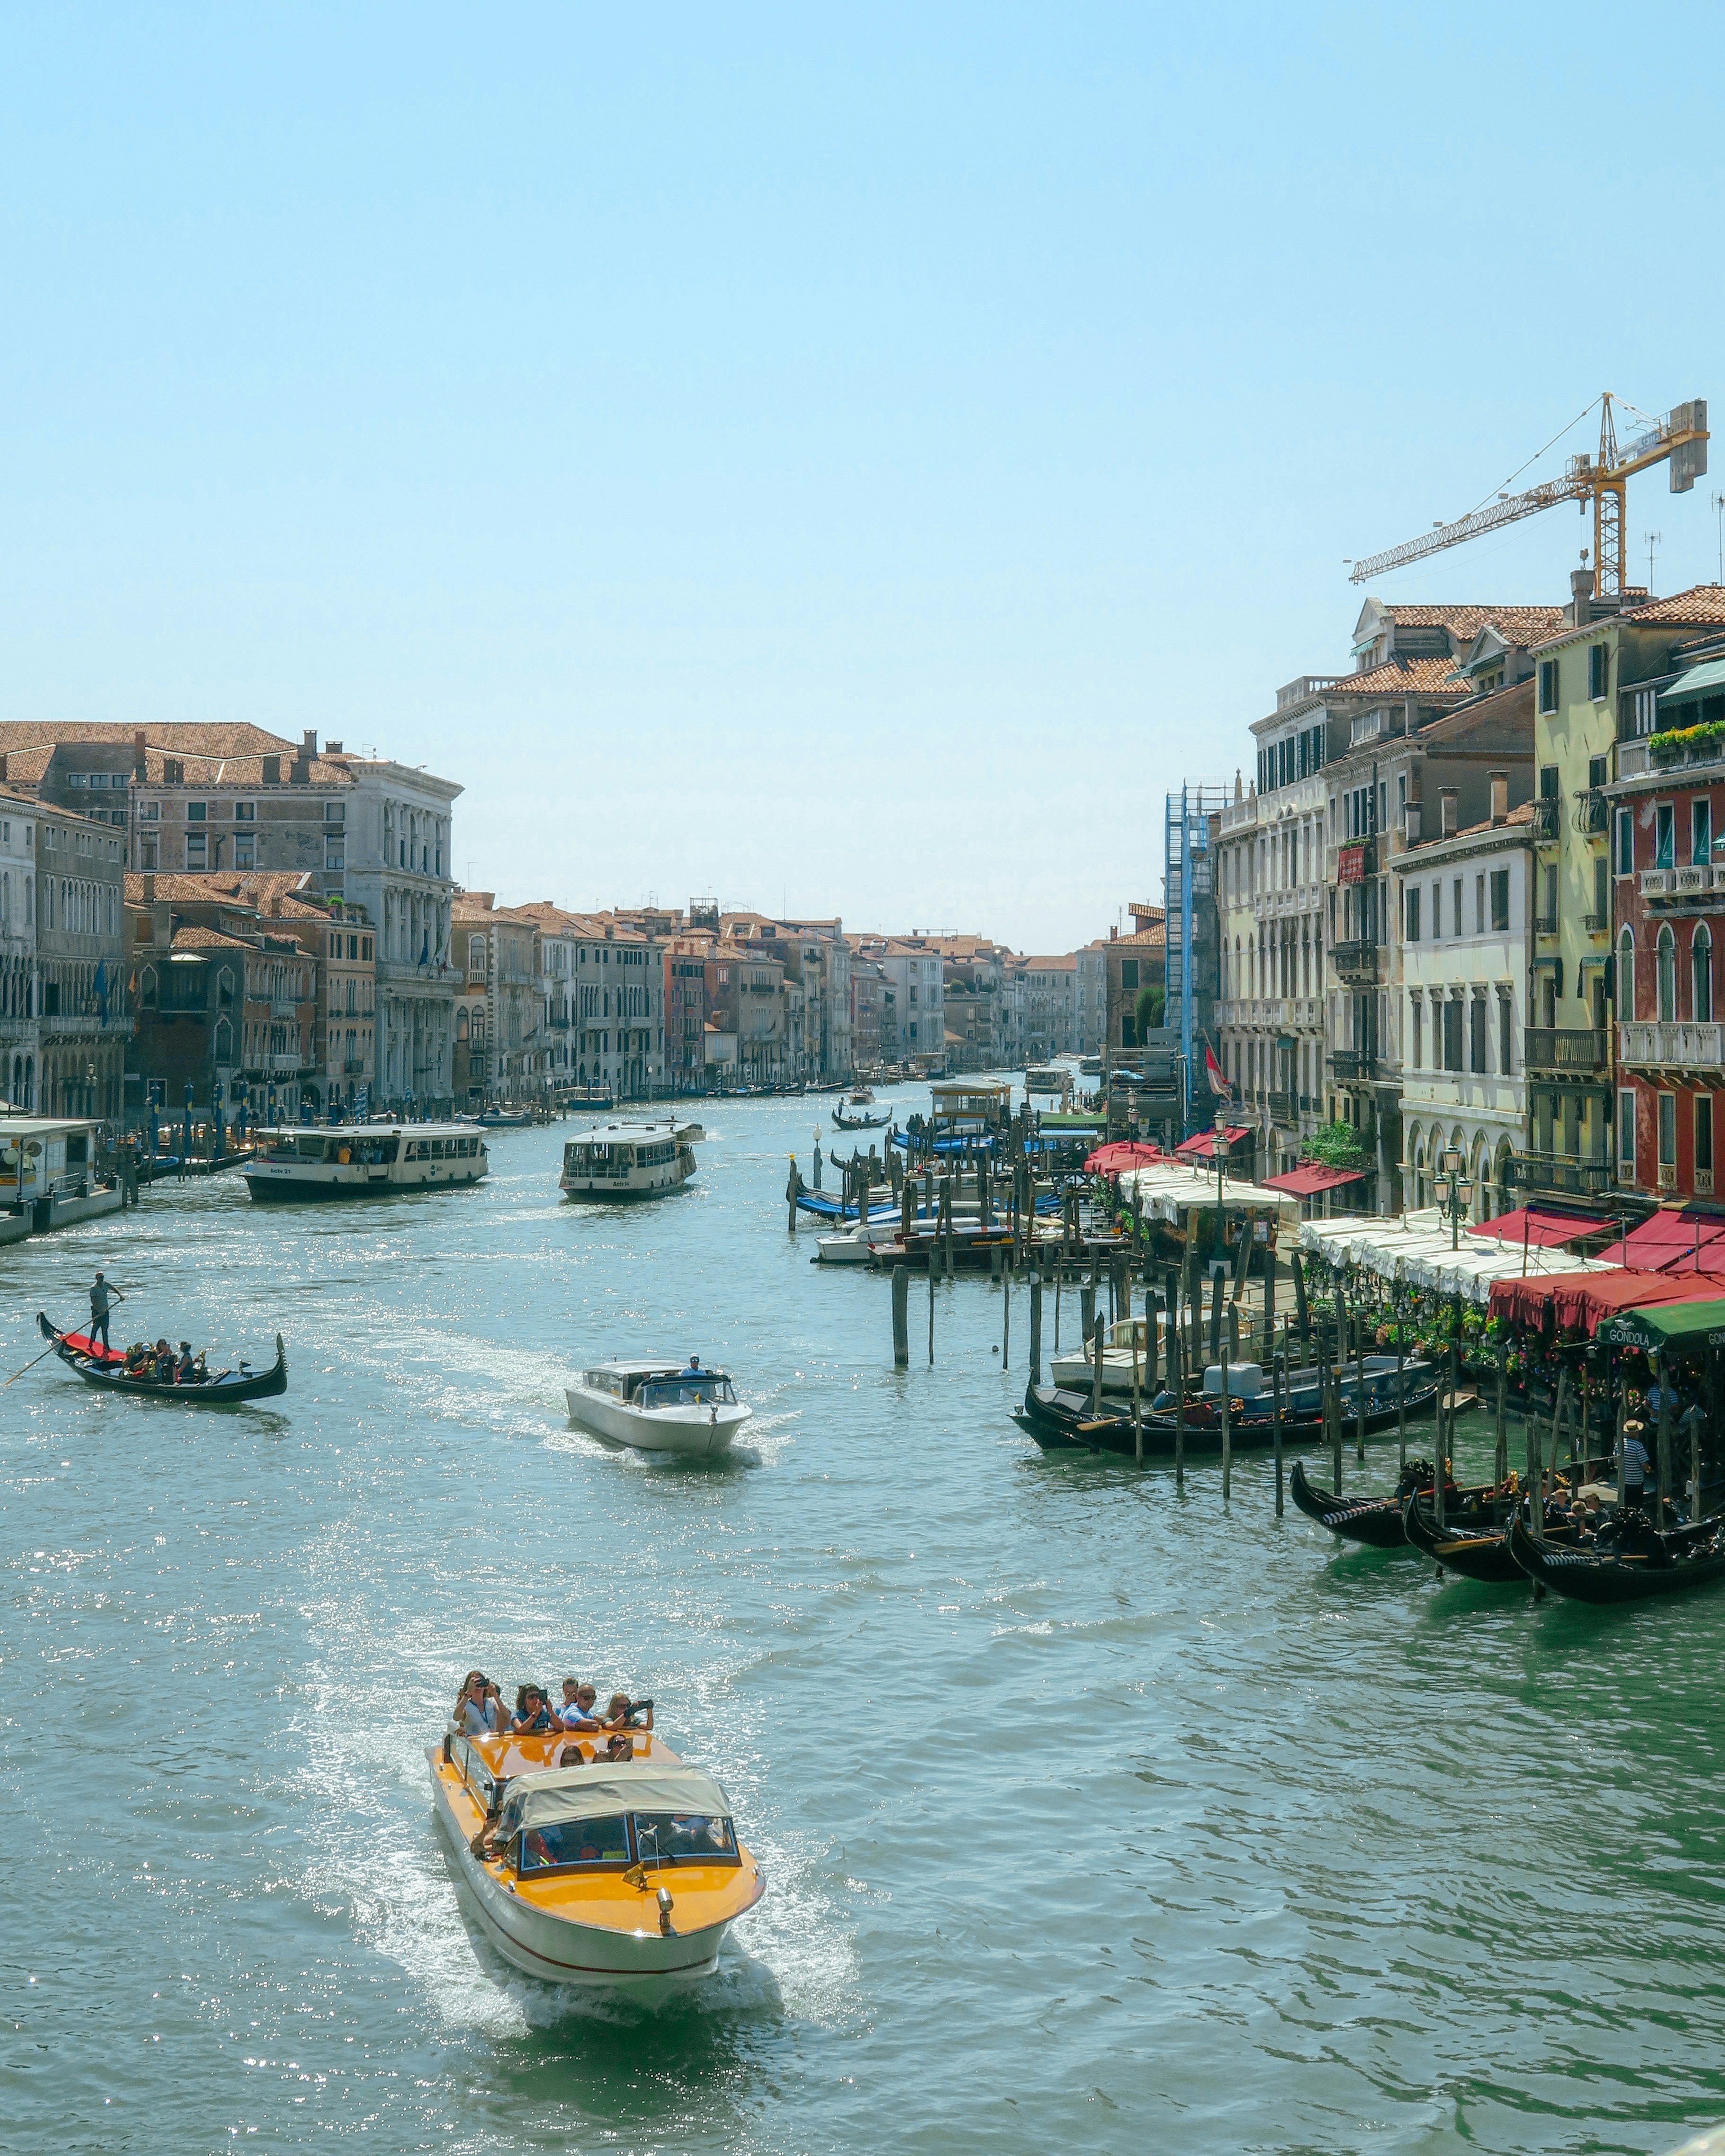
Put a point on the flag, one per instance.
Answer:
(1217, 1076)
(101, 989)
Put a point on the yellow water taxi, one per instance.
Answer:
(622, 1873)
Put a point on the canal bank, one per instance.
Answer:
(1088, 1814)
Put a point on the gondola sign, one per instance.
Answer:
(1636, 1328)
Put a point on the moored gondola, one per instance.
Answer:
(1473, 1542)
(1376, 1521)
(105, 1370)
(1638, 1564)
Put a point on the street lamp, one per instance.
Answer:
(1452, 1206)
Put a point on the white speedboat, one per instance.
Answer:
(1076, 1370)
(658, 1407)
(622, 1875)
(363, 1160)
(630, 1159)
(856, 1245)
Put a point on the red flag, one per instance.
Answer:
(1217, 1076)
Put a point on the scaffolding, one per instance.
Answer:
(1189, 898)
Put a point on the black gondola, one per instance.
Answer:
(106, 1373)
(1376, 1521)
(1641, 1563)
(1474, 1540)
(862, 1122)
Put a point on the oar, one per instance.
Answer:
(31, 1365)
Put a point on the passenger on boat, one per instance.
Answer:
(163, 1372)
(477, 1705)
(576, 1711)
(531, 1715)
(185, 1370)
(619, 1748)
(571, 1755)
(626, 1714)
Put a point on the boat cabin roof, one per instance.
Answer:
(666, 1127)
(642, 1366)
(367, 1130)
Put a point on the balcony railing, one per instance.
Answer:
(1592, 812)
(1545, 924)
(1560, 1171)
(1281, 1108)
(1691, 880)
(1652, 1045)
(1546, 814)
(1352, 1063)
(1356, 960)
(1596, 924)
(1565, 1048)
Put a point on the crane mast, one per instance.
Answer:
(1679, 439)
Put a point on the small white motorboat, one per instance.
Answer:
(856, 1245)
(658, 1407)
(1076, 1369)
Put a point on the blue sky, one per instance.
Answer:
(848, 461)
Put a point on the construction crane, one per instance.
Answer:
(1680, 437)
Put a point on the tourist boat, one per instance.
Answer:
(856, 1244)
(1639, 1563)
(1376, 1521)
(862, 1122)
(1048, 1080)
(363, 1160)
(615, 1874)
(105, 1370)
(658, 1407)
(630, 1159)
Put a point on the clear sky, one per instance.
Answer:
(847, 461)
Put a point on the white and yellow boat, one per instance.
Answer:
(618, 1874)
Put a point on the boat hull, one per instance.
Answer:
(558, 1950)
(691, 1433)
(1376, 1521)
(295, 1181)
(1590, 1575)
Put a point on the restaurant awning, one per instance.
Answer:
(1676, 1239)
(1708, 680)
(1585, 1298)
(1203, 1145)
(1542, 1225)
(1124, 1153)
(1308, 1180)
(1697, 1324)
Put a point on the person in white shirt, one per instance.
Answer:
(1636, 1467)
(476, 1709)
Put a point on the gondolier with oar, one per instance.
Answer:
(102, 1300)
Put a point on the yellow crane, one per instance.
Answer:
(1680, 438)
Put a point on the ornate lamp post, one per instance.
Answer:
(1452, 1206)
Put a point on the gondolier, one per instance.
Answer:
(102, 1299)
(1636, 1464)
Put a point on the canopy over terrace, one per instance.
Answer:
(1202, 1146)
(1550, 1226)
(1311, 1176)
(1416, 1249)
(1170, 1189)
(1677, 1239)
(1667, 1325)
(1585, 1298)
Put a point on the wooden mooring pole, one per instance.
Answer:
(901, 1317)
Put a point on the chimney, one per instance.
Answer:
(1499, 782)
(334, 748)
(140, 762)
(1446, 811)
(149, 883)
(272, 771)
(310, 750)
(1581, 592)
(2, 764)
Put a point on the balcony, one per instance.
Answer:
(1281, 1110)
(1356, 961)
(352, 1067)
(1546, 815)
(1560, 1173)
(1352, 1063)
(1303, 688)
(1644, 1044)
(1596, 924)
(1545, 924)
(1592, 812)
(1565, 1048)
(1692, 879)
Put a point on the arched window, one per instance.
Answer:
(1700, 968)
(461, 1025)
(224, 989)
(147, 985)
(224, 1041)
(1626, 975)
(1667, 975)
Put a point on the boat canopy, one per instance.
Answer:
(581, 1793)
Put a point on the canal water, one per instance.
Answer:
(1093, 1817)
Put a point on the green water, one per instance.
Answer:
(1092, 1817)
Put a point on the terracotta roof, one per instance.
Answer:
(1517, 818)
(193, 938)
(212, 755)
(1156, 938)
(182, 890)
(1066, 963)
(1702, 606)
(1407, 677)
(1519, 625)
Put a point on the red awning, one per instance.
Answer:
(1678, 1239)
(1307, 1180)
(1582, 1299)
(1202, 1146)
(1541, 1225)
(1122, 1154)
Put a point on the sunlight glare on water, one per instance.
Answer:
(1089, 1814)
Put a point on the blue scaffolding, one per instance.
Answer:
(1189, 897)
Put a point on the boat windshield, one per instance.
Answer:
(684, 1838)
(691, 1391)
(587, 1844)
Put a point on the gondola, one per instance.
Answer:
(1474, 1541)
(862, 1122)
(1376, 1521)
(106, 1371)
(1639, 1564)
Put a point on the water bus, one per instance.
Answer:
(363, 1160)
(630, 1159)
